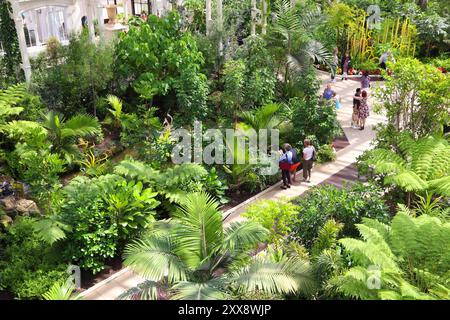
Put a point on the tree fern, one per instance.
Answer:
(408, 260)
(418, 166)
(9, 99)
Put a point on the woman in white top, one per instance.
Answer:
(308, 159)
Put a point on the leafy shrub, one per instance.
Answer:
(346, 205)
(276, 216)
(309, 118)
(73, 82)
(36, 166)
(28, 266)
(101, 212)
(326, 154)
(174, 75)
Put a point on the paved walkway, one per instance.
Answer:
(336, 173)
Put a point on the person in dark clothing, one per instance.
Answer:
(285, 162)
(356, 105)
(345, 65)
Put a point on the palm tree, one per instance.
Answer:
(192, 256)
(262, 118)
(290, 36)
(64, 134)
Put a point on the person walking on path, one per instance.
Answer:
(309, 155)
(356, 105)
(334, 65)
(365, 81)
(345, 65)
(328, 93)
(364, 110)
(285, 162)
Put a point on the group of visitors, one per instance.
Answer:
(360, 109)
(289, 158)
(345, 65)
(361, 112)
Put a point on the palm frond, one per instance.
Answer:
(244, 235)
(210, 290)
(81, 126)
(147, 290)
(266, 276)
(61, 291)
(154, 258)
(200, 230)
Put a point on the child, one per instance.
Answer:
(356, 105)
(337, 100)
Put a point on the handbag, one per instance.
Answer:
(314, 156)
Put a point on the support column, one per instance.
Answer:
(208, 17)
(126, 5)
(101, 25)
(253, 22)
(21, 38)
(264, 17)
(220, 24)
(90, 17)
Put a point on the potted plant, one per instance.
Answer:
(111, 11)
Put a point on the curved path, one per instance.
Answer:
(337, 173)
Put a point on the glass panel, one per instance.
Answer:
(43, 23)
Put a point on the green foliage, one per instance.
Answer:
(9, 99)
(142, 132)
(182, 255)
(347, 206)
(37, 166)
(174, 182)
(260, 79)
(101, 212)
(408, 260)
(63, 133)
(326, 154)
(234, 81)
(327, 237)
(174, 74)
(416, 165)
(132, 206)
(72, 82)
(291, 39)
(10, 72)
(262, 118)
(61, 291)
(415, 97)
(308, 119)
(275, 216)
(28, 266)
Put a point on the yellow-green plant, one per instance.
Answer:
(396, 35)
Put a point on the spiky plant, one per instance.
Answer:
(192, 256)
(407, 260)
(418, 166)
(64, 133)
